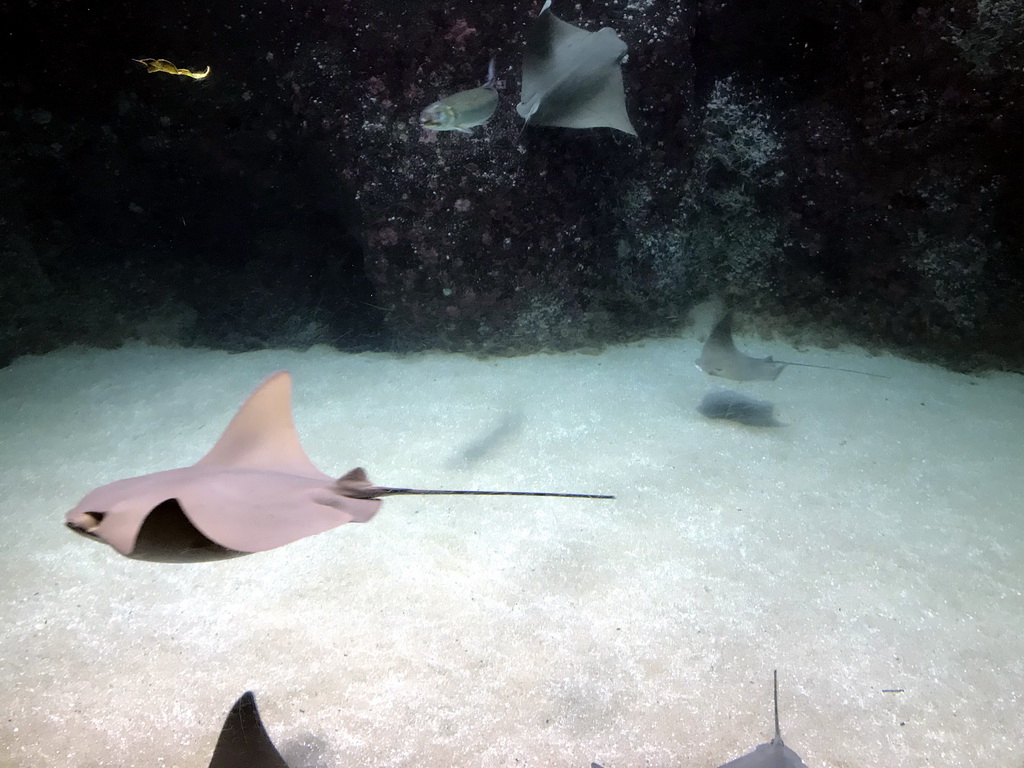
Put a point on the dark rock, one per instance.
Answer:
(848, 165)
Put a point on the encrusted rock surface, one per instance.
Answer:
(848, 169)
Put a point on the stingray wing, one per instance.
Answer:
(548, 43)
(262, 434)
(572, 78)
(253, 511)
(720, 337)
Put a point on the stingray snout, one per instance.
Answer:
(85, 523)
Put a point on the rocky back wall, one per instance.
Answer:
(836, 170)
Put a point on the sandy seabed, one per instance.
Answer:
(873, 543)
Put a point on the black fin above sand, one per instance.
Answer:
(243, 741)
(573, 78)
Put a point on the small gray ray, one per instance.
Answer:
(719, 357)
(731, 405)
(243, 741)
(573, 78)
(772, 754)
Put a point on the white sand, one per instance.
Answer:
(875, 542)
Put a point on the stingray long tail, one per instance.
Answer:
(356, 485)
(833, 368)
(775, 678)
(419, 492)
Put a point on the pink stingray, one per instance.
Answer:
(255, 490)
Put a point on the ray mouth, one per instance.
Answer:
(86, 524)
(81, 530)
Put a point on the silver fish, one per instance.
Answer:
(464, 110)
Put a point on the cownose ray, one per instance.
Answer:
(572, 78)
(771, 754)
(255, 490)
(719, 357)
(243, 741)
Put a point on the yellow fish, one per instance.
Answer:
(163, 65)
